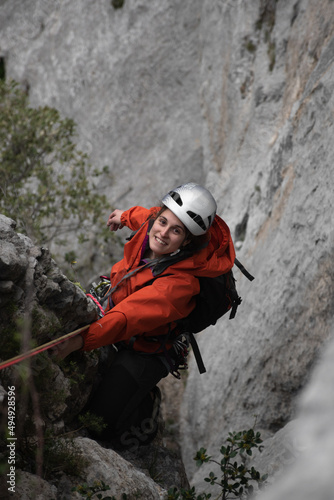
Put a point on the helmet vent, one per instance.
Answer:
(176, 197)
(197, 218)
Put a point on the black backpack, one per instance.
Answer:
(217, 296)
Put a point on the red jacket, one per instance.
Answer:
(147, 311)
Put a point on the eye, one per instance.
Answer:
(178, 230)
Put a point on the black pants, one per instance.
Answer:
(124, 398)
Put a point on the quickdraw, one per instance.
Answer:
(98, 293)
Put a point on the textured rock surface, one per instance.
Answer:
(40, 292)
(119, 474)
(277, 178)
(129, 77)
(237, 95)
(31, 486)
(306, 470)
(102, 465)
(31, 279)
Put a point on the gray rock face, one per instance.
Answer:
(37, 300)
(280, 184)
(237, 95)
(51, 305)
(306, 471)
(31, 279)
(129, 78)
(123, 477)
(106, 465)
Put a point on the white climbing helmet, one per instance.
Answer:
(194, 205)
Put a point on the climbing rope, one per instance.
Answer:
(41, 348)
(97, 291)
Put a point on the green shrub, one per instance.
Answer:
(47, 185)
(94, 491)
(62, 456)
(236, 479)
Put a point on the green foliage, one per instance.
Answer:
(94, 491)
(10, 338)
(62, 456)
(236, 478)
(71, 271)
(92, 422)
(201, 457)
(51, 395)
(36, 396)
(44, 324)
(70, 257)
(47, 184)
(182, 494)
(73, 371)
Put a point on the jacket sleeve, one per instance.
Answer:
(134, 217)
(167, 299)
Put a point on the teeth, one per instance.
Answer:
(160, 241)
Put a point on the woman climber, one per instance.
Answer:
(154, 286)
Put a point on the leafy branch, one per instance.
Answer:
(95, 491)
(236, 479)
(47, 185)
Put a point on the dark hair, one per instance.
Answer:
(196, 243)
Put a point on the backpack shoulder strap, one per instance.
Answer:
(243, 270)
(197, 353)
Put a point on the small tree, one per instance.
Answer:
(46, 184)
(236, 479)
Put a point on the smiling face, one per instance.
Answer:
(167, 234)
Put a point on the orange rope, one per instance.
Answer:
(41, 348)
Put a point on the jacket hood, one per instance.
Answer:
(215, 258)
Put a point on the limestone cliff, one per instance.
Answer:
(271, 121)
